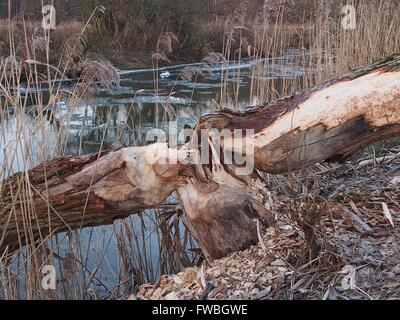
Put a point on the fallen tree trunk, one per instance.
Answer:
(72, 192)
(331, 121)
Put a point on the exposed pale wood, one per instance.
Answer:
(222, 220)
(80, 191)
(379, 160)
(330, 121)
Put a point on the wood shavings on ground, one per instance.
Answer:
(359, 257)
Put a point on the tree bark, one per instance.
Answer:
(330, 121)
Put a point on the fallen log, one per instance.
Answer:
(72, 192)
(330, 121)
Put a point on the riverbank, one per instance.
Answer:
(73, 43)
(129, 33)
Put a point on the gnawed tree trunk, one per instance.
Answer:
(220, 216)
(72, 192)
(331, 121)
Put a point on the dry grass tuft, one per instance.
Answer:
(102, 72)
(165, 47)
